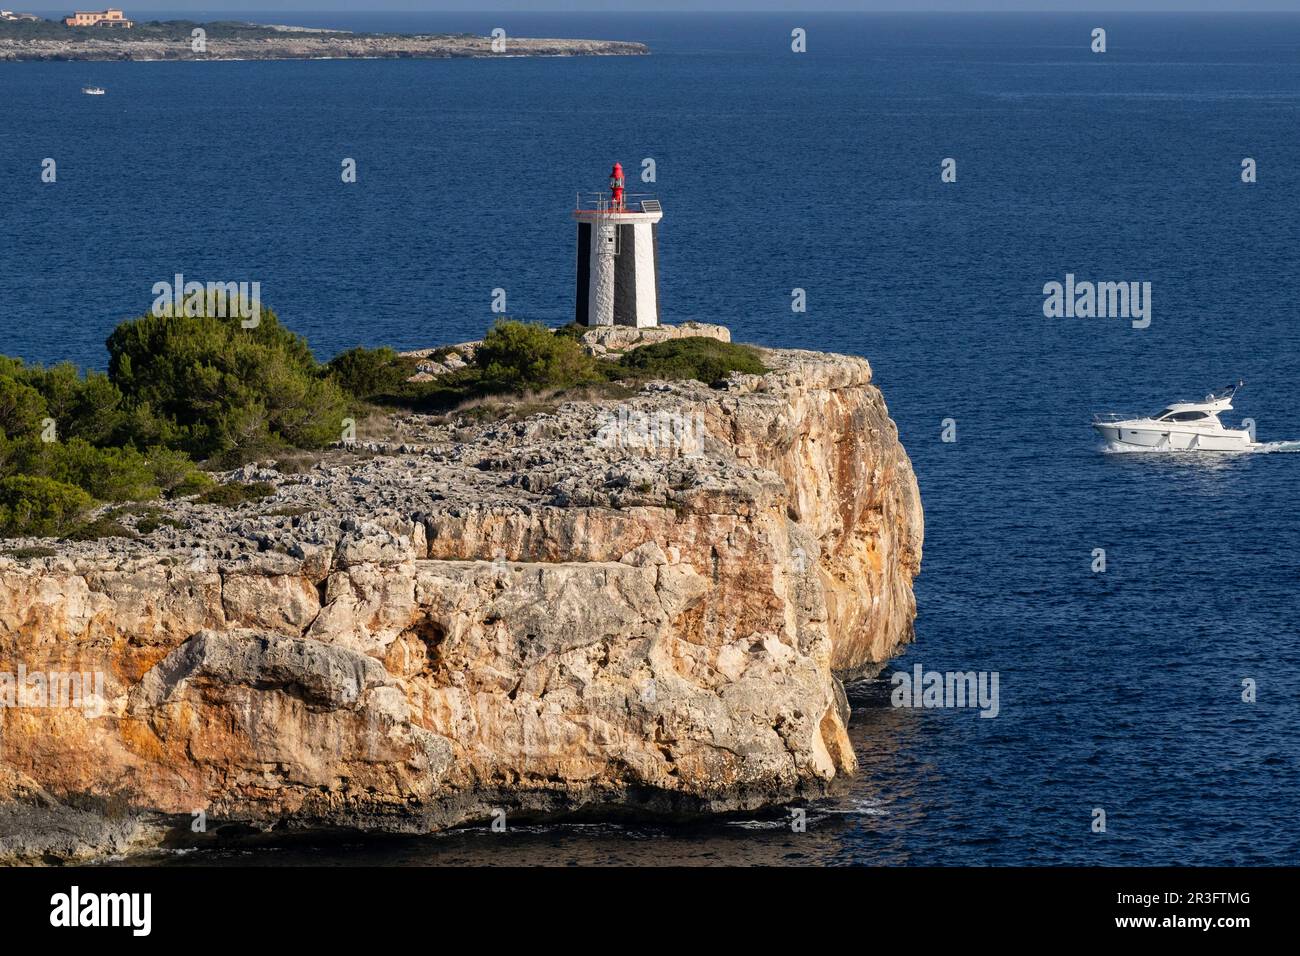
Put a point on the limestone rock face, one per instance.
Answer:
(644, 605)
(605, 339)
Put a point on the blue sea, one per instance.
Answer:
(1120, 690)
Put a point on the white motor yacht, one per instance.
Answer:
(93, 90)
(1183, 426)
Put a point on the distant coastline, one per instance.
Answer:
(48, 40)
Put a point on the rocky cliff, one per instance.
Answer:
(640, 605)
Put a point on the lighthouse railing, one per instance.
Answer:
(602, 202)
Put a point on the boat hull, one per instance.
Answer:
(1125, 435)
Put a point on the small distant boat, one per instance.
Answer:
(93, 90)
(1183, 426)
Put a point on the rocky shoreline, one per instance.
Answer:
(558, 612)
(301, 46)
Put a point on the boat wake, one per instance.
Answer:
(1277, 446)
(1257, 448)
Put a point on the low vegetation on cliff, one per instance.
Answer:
(518, 358)
(184, 394)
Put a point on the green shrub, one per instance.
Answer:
(436, 395)
(147, 518)
(574, 330)
(518, 356)
(28, 554)
(236, 493)
(221, 389)
(696, 357)
(33, 506)
(12, 455)
(290, 511)
(89, 407)
(304, 410)
(109, 474)
(101, 527)
(172, 469)
(98, 411)
(21, 408)
(195, 483)
(366, 373)
(142, 426)
(58, 385)
(152, 524)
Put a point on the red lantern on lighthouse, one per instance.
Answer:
(616, 186)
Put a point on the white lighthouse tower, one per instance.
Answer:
(618, 257)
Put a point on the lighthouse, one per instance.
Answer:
(618, 257)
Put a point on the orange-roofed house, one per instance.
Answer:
(105, 18)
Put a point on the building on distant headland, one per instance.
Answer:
(10, 15)
(106, 18)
